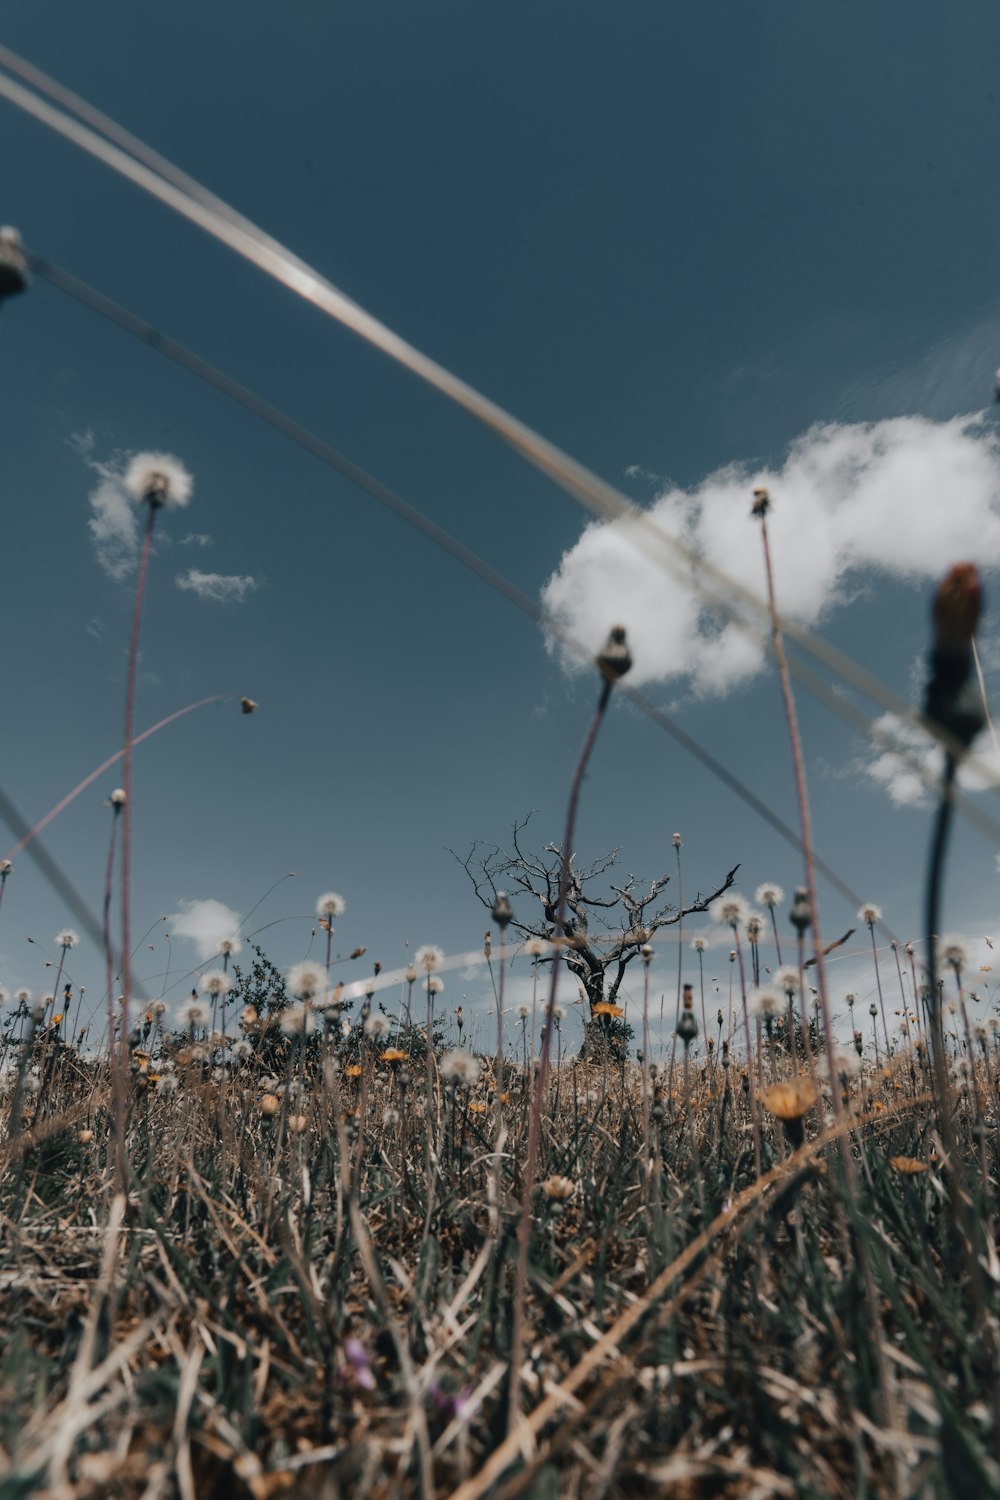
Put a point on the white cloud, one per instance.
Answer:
(204, 923)
(113, 523)
(222, 588)
(196, 539)
(906, 496)
(902, 750)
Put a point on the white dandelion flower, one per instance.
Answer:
(305, 980)
(242, 1048)
(731, 910)
(5, 867)
(769, 894)
(559, 1013)
(522, 1012)
(159, 478)
(330, 905)
(194, 1013)
(766, 1003)
(786, 979)
(4, 995)
(378, 1026)
(215, 982)
(429, 957)
(846, 1063)
(435, 985)
(67, 938)
(953, 951)
(755, 926)
(298, 1020)
(22, 996)
(118, 798)
(230, 947)
(699, 944)
(870, 913)
(536, 948)
(461, 1067)
(167, 1083)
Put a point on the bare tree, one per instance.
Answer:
(601, 934)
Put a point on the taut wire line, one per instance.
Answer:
(188, 198)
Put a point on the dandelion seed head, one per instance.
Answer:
(459, 1066)
(159, 478)
(67, 938)
(767, 1003)
(215, 982)
(522, 1012)
(194, 1012)
(699, 944)
(378, 1026)
(298, 1020)
(536, 947)
(730, 910)
(953, 951)
(435, 985)
(118, 798)
(4, 995)
(5, 867)
(429, 957)
(330, 905)
(22, 996)
(769, 894)
(870, 913)
(306, 980)
(786, 979)
(229, 947)
(755, 926)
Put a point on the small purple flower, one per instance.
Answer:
(451, 1403)
(357, 1358)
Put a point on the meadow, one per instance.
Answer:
(302, 1237)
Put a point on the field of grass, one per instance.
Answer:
(299, 1274)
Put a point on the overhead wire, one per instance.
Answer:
(124, 153)
(188, 360)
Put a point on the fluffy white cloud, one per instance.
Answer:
(222, 588)
(204, 923)
(906, 496)
(902, 751)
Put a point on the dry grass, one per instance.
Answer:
(318, 1301)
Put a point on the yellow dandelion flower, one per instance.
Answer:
(477, 1107)
(605, 1008)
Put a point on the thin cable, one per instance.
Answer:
(188, 198)
(140, 329)
(60, 882)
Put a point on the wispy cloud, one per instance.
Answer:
(196, 539)
(114, 525)
(222, 588)
(900, 497)
(204, 923)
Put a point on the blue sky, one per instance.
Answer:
(671, 239)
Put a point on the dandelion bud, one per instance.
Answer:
(558, 1189)
(615, 659)
(270, 1104)
(411, 974)
(761, 501)
(502, 910)
(800, 915)
(647, 953)
(487, 945)
(677, 841)
(297, 1124)
(952, 699)
(117, 798)
(248, 705)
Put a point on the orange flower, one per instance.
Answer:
(788, 1102)
(605, 1008)
(353, 1070)
(477, 1107)
(393, 1055)
(909, 1166)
